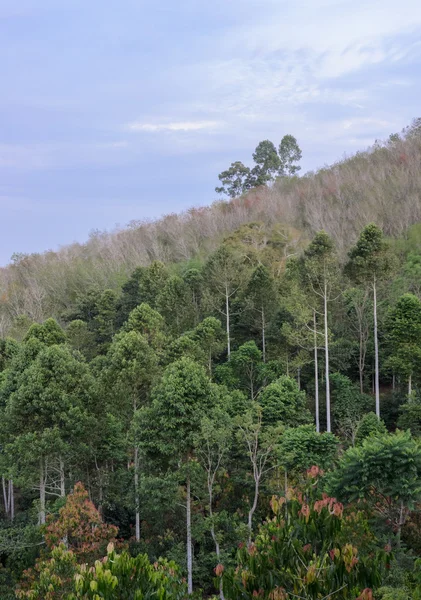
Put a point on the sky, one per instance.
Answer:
(121, 110)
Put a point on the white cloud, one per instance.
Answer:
(176, 126)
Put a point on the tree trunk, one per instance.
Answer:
(299, 377)
(11, 500)
(361, 364)
(213, 534)
(41, 492)
(189, 540)
(316, 375)
(263, 336)
(254, 505)
(136, 492)
(62, 480)
(227, 310)
(410, 386)
(328, 425)
(376, 352)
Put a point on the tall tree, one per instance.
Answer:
(167, 430)
(289, 154)
(320, 266)
(404, 334)
(132, 367)
(370, 261)
(235, 180)
(267, 161)
(224, 274)
(261, 301)
(45, 420)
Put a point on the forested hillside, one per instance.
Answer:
(225, 402)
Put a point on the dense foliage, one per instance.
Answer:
(164, 411)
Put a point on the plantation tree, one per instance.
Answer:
(224, 274)
(212, 444)
(175, 304)
(45, 419)
(260, 443)
(301, 447)
(283, 402)
(358, 308)
(267, 163)
(210, 337)
(261, 301)
(370, 261)
(301, 327)
(320, 269)
(106, 309)
(167, 429)
(404, 334)
(132, 367)
(234, 180)
(149, 323)
(349, 406)
(246, 365)
(289, 154)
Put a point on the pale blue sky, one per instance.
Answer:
(119, 110)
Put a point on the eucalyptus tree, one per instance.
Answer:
(167, 429)
(370, 262)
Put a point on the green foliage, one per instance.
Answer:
(49, 333)
(349, 406)
(283, 402)
(301, 552)
(385, 472)
(122, 577)
(301, 447)
(370, 258)
(368, 426)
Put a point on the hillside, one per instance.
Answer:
(166, 388)
(381, 185)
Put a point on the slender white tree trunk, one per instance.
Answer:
(136, 492)
(410, 385)
(254, 505)
(328, 424)
(376, 352)
(62, 479)
(189, 540)
(212, 531)
(11, 500)
(227, 310)
(316, 375)
(41, 492)
(263, 336)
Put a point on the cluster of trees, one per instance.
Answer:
(270, 163)
(189, 397)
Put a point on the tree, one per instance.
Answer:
(106, 309)
(321, 272)
(132, 367)
(404, 334)
(46, 418)
(246, 365)
(49, 333)
(260, 445)
(282, 401)
(234, 180)
(370, 261)
(301, 447)
(267, 160)
(167, 429)
(358, 308)
(349, 406)
(224, 274)
(369, 425)
(289, 154)
(212, 443)
(261, 301)
(384, 471)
